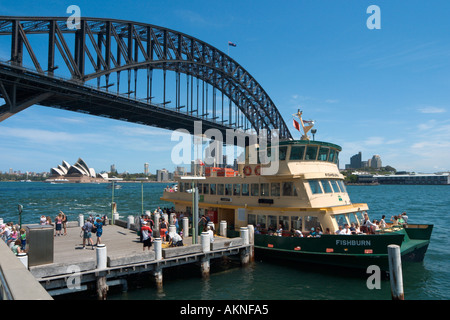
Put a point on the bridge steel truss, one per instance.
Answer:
(78, 70)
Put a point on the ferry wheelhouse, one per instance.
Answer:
(307, 194)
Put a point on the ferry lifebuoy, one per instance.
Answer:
(247, 170)
(258, 170)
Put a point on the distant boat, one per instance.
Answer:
(116, 186)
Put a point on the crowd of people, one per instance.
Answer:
(14, 237)
(148, 229)
(365, 227)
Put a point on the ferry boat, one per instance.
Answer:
(307, 194)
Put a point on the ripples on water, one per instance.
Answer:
(262, 280)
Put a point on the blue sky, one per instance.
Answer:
(382, 92)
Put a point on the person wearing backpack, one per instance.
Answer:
(87, 229)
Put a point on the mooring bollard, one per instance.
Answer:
(157, 243)
(185, 227)
(101, 256)
(206, 242)
(395, 272)
(223, 228)
(130, 221)
(244, 235)
(116, 217)
(23, 257)
(172, 229)
(80, 220)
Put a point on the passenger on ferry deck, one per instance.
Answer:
(327, 231)
(345, 230)
(318, 232)
(394, 220)
(405, 217)
(211, 233)
(339, 230)
(296, 233)
(367, 225)
(383, 222)
(355, 228)
(280, 231)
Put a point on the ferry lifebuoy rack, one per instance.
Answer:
(258, 170)
(247, 170)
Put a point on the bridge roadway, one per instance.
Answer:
(125, 257)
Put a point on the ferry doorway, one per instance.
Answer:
(228, 216)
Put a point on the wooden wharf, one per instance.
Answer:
(76, 269)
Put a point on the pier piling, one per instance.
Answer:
(245, 253)
(395, 272)
(206, 247)
(251, 239)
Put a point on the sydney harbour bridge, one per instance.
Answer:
(129, 71)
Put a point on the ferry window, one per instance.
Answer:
(315, 186)
(311, 222)
(288, 188)
(296, 223)
(342, 186)
(297, 152)
(251, 219)
(187, 187)
(220, 189)
(181, 187)
(331, 156)
(282, 153)
(335, 186)
(236, 189)
(261, 220)
(284, 221)
(200, 188)
(255, 189)
(264, 189)
(323, 154)
(272, 222)
(340, 219)
(360, 215)
(326, 186)
(206, 188)
(212, 188)
(311, 153)
(352, 218)
(275, 189)
(336, 157)
(245, 189)
(228, 188)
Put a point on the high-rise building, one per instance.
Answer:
(376, 162)
(355, 161)
(162, 175)
(113, 168)
(146, 172)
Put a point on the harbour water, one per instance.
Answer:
(263, 280)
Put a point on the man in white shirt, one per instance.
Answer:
(346, 230)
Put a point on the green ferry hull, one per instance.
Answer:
(349, 251)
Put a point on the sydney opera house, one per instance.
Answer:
(78, 173)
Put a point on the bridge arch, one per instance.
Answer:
(100, 50)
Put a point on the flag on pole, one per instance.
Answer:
(231, 44)
(296, 125)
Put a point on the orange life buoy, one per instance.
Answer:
(247, 170)
(258, 170)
